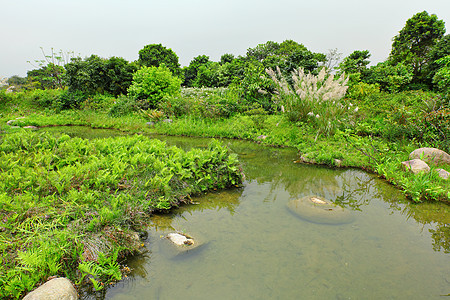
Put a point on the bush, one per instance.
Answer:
(152, 84)
(122, 106)
(99, 102)
(204, 102)
(69, 100)
(46, 98)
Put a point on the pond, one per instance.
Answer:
(252, 246)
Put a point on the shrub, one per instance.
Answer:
(69, 99)
(46, 98)
(122, 106)
(152, 84)
(204, 102)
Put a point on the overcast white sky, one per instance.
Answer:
(193, 27)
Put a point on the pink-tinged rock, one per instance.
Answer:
(55, 289)
(431, 155)
(416, 166)
(443, 173)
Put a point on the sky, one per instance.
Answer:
(199, 27)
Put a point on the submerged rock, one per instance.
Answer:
(180, 240)
(431, 155)
(415, 166)
(319, 210)
(180, 243)
(55, 289)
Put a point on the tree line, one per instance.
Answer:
(419, 59)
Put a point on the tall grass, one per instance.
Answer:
(311, 98)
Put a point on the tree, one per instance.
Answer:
(440, 50)
(262, 51)
(156, 55)
(356, 62)
(98, 75)
(50, 72)
(332, 59)
(442, 77)
(414, 42)
(152, 84)
(390, 78)
(190, 72)
(226, 58)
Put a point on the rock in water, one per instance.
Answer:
(180, 240)
(319, 210)
(431, 155)
(55, 289)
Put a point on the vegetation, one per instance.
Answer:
(89, 198)
(71, 206)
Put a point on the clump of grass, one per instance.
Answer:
(310, 98)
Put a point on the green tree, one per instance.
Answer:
(152, 84)
(50, 70)
(226, 58)
(442, 77)
(49, 76)
(414, 42)
(440, 50)
(156, 55)
(390, 78)
(190, 72)
(99, 75)
(356, 62)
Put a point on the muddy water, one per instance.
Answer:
(253, 247)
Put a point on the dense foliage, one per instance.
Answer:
(152, 84)
(69, 205)
(155, 55)
(72, 191)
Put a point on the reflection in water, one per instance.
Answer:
(255, 249)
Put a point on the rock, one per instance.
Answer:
(31, 127)
(431, 155)
(415, 166)
(11, 122)
(167, 120)
(306, 160)
(319, 210)
(55, 289)
(443, 173)
(338, 162)
(180, 239)
(180, 244)
(261, 137)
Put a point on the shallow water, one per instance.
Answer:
(253, 247)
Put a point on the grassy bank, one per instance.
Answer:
(72, 207)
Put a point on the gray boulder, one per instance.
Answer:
(415, 166)
(431, 155)
(55, 289)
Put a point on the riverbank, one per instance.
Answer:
(343, 149)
